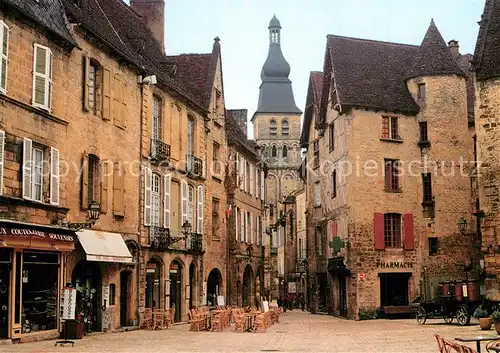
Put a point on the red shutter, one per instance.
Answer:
(408, 229)
(378, 223)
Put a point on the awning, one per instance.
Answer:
(337, 266)
(104, 246)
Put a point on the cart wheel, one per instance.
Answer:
(463, 316)
(421, 316)
(448, 319)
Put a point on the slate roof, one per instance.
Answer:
(486, 54)
(465, 64)
(125, 32)
(313, 102)
(236, 137)
(47, 13)
(433, 56)
(371, 74)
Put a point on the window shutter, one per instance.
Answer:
(4, 53)
(242, 225)
(257, 177)
(86, 83)
(106, 89)
(42, 73)
(378, 224)
(236, 223)
(117, 100)
(148, 185)
(237, 158)
(408, 231)
(124, 96)
(251, 237)
(54, 176)
(2, 148)
(184, 198)
(105, 186)
(242, 168)
(118, 190)
(85, 181)
(166, 202)
(251, 191)
(201, 200)
(27, 161)
(262, 185)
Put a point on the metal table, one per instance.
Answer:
(478, 339)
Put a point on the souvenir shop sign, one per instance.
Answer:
(21, 232)
(69, 303)
(395, 264)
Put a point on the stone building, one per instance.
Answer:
(276, 129)
(202, 75)
(245, 184)
(34, 129)
(386, 183)
(487, 79)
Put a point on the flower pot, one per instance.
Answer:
(485, 323)
(497, 327)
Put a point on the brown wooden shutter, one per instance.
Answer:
(408, 231)
(105, 173)
(124, 97)
(117, 100)
(118, 190)
(378, 224)
(85, 181)
(106, 90)
(85, 83)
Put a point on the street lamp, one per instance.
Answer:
(462, 225)
(186, 228)
(93, 214)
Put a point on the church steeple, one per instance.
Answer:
(276, 94)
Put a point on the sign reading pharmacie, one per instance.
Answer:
(23, 232)
(394, 264)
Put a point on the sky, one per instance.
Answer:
(241, 25)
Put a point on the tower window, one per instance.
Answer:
(272, 127)
(284, 127)
(285, 152)
(274, 152)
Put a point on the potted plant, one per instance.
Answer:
(496, 320)
(484, 318)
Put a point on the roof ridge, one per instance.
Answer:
(186, 54)
(371, 40)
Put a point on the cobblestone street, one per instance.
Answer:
(297, 332)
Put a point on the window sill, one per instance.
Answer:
(217, 179)
(391, 140)
(10, 200)
(398, 191)
(35, 110)
(428, 203)
(317, 206)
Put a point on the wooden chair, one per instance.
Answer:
(217, 322)
(240, 323)
(145, 319)
(195, 322)
(260, 323)
(490, 346)
(158, 319)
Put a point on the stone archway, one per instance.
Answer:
(248, 286)
(86, 277)
(214, 284)
(153, 283)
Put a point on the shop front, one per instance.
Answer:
(103, 271)
(31, 278)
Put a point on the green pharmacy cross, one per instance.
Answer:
(337, 244)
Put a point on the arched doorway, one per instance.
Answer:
(175, 273)
(214, 283)
(193, 285)
(153, 287)
(86, 277)
(248, 286)
(126, 308)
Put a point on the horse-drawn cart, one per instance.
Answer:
(456, 300)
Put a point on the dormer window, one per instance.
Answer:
(390, 128)
(272, 127)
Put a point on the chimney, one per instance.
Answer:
(453, 45)
(153, 13)
(240, 117)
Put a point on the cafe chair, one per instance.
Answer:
(493, 346)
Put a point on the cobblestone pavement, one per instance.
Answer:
(296, 332)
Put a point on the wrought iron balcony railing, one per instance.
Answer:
(160, 151)
(194, 165)
(159, 238)
(194, 242)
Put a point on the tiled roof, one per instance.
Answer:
(464, 62)
(487, 55)
(433, 56)
(371, 74)
(313, 101)
(125, 32)
(47, 13)
(236, 137)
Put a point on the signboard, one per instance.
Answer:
(36, 233)
(105, 296)
(69, 303)
(395, 264)
(361, 276)
(265, 305)
(204, 299)
(292, 287)
(220, 300)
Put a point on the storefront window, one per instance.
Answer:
(39, 282)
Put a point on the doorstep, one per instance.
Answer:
(5, 341)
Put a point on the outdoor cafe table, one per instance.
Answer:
(478, 339)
